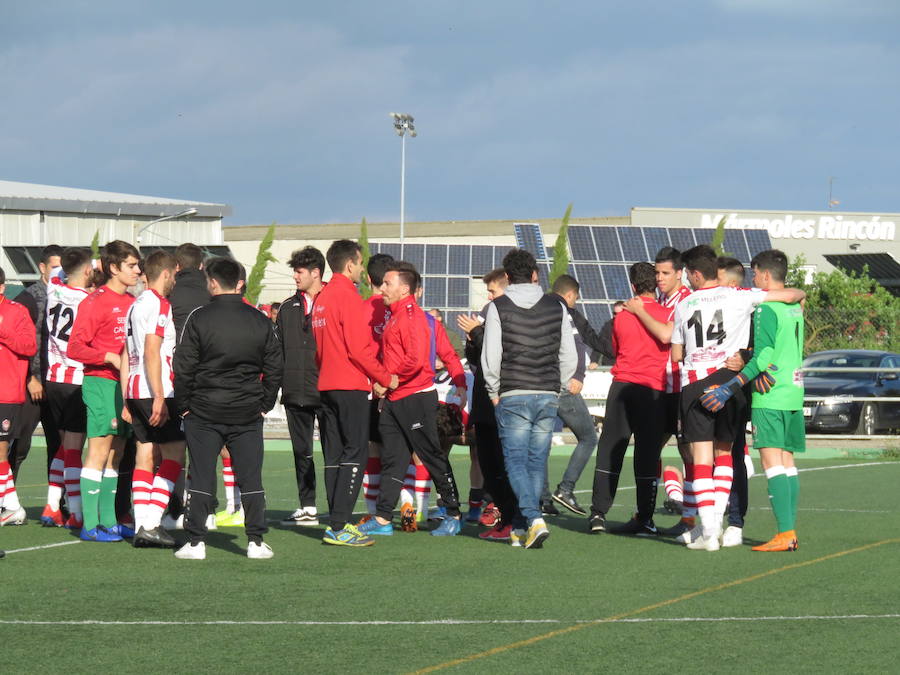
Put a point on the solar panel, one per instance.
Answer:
(682, 238)
(736, 245)
(748, 277)
(615, 279)
(458, 262)
(450, 322)
(373, 247)
(607, 244)
(633, 247)
(529, 237)
(436, 259)
(703, 235)
(757, 241)
(415, 254)
(656, 238)
(458, 292)
(591, 282)
(581, 242)
(435, 292)
(597, 314)
(393, 250)
(482, 260)
(544, 275)
(499, 253)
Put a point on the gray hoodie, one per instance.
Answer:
(525, 296)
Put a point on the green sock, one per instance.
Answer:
(780, 497)
(108, 498)
(91, 488)
(794, 481)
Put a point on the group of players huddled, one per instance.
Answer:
(167, 353)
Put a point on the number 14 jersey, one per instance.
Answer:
(712, 324)
(62, 308)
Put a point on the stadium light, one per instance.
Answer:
(403, 126)
(182, 214)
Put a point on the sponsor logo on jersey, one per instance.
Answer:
(5, 424)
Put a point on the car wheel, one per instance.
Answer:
(868, 420)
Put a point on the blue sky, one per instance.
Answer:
(280, 109)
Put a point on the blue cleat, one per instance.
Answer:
(474, 514)
(99, 534)
(449, 527)
(372, 526)
(349, 536)
(123, 531)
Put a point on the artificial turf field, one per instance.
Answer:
(418, 603)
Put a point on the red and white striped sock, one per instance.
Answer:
(9, 498)
(232, 493)
(56, 481)
(72, 477)
(723, 476)
(423, 489)
(163, 484)
(690, 497)
(371, 483)
(705, 491)
(3, 467)
(672, 486)
(141, 488)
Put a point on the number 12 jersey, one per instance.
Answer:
(62, 308)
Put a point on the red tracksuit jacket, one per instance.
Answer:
(17, 346)
(406, 348)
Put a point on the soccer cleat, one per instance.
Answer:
(408, 518)
(348, 536)
(73, 523)
(170, 523)
(636, 528)
(673, 506)
(690, 536)
(548, 509)
(474, 514)
(516, 537)
(301, 517)
(537, 534)
(449, 527)
(437, 513)
(12, 517)
(227, 518)
(567, 499)
(99, 533)
(496, 533)
(597, 523)
(192, 551)
(122, 530)
(51, 518)
(705, 543)
(490, 516)
(373, 527)
(682, 526)
(733, 536)
(156, 537)
(260, 551)
(783, 541)
(365, 519)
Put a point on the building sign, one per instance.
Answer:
(808, 226)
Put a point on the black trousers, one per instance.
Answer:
(493, 468)
(245, 443)
(301, 422)
(26, 422)
(409, 425)
(739, 499)
(344, 425)
(638, 410)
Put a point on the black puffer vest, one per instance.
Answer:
(530, 342)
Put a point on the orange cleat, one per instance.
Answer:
(51, 518)
(73, 523)
(408, 518)
(365, 519)
(783, 541)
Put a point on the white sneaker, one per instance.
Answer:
(261, 551)
(690, 536)
(733, 536)
(304, 517)
(211, 522)
(12, 517)
(189, 552)
(705, 543)
(170, 523)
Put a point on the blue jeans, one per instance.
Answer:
(574, 413)
(525, 424)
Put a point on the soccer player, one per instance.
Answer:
(228, 369)
(710, 325)
(778, 426)
(408, 416)
(347, 359)
(17, 345)
(97, 340)
(146, 379)
(63, 389)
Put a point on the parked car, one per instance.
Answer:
(841, 411)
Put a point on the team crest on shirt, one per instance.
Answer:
(161, 321)
(114, 423)
(5, 425)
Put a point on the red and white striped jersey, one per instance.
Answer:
(712, 324)
(62, 308)
(673, 370)
(150, 314)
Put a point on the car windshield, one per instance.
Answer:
(841, 360)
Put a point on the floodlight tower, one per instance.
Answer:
(403, 125)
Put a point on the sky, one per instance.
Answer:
(281, 108)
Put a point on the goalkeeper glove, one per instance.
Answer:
(765, 380)
(714, 398)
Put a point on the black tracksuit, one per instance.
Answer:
(228, 368)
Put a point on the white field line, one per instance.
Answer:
(455, 622)
(38, 548)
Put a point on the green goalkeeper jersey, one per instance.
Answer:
(778, 341)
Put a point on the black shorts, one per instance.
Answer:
(141, 409)
(67, 407)
(699, 424)
(374, 416)
(8, 413)
(670, 410)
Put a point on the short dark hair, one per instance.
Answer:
(189, 256)
(340, 253)
(225, 271)
(520, 266)
(275, 305)
(50, 251)
(618, 303)
(642, 276)
(565, 283)
(701, 259)
(497, 275)
(115, 253)
(407, 273)
(732, 266)
(74, 258)
(308, 258)
(2, 276)
(773, 261)
(378, 265)
(669, 254)
(156, 262)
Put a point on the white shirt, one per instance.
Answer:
(150, 314)
(62, 308)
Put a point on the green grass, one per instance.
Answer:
(414, 577)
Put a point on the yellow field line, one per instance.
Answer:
(648, 608)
